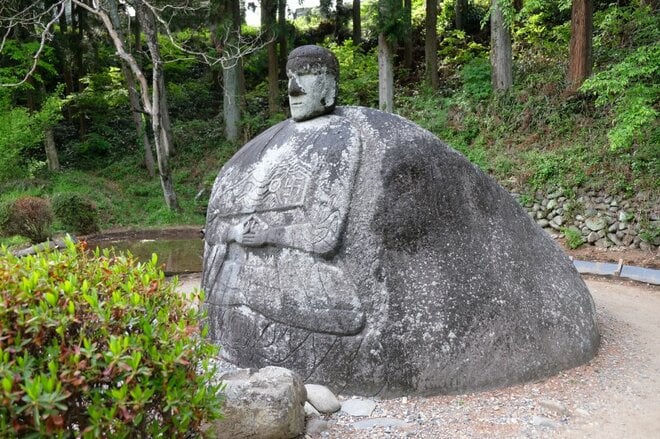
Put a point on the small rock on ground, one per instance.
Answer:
(322, 398)
(358, 407)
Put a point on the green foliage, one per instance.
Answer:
(562, 167)
(573, 237)
(358, 74)
(632, 88)
(476, 79)
(99, 345)
(76, 213)
(18, 131)
(30, 217)
(16, 60)
(458, 48)
(651, 235)
(192, 100)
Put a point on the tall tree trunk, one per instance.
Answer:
(232, 79)
(151, 102)
(51, 149)
(49, 140)
(66, 68)
(165, 123)
(134, 99)
(80, 66)
(385, 74)
(357, 23)
(460, 12)
(407, 39)
(501, 55)
(161, 137)
(579, 59)
(231, 104)
(339, 21)
(431, 44)
(268, 18)
(281, 32)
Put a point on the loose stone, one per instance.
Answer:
(554, 407)
(543, 222)
(542, 421)
(322, 398)
(358, 407)
(315, 427)
(603, 243)
(595, 223)
(368, 424)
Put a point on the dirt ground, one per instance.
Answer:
(639, 258)
(616, 395)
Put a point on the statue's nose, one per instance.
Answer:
(295, 89)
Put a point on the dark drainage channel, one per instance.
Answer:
(640, 274)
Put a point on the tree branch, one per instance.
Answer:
(42, 43)
(121, 51)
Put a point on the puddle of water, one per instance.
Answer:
(176, 255)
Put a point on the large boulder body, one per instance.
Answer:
(400, 269)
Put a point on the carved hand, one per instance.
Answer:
(235, 233)
(255, 239)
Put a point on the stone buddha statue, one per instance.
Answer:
(357, 249)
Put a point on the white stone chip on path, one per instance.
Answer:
(358, 407)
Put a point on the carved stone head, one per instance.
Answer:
(313, 72)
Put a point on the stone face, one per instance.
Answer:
(266, 404)
(362, 252)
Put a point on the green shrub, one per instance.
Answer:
(99, 345)
(76, 212)
(573, 237)
(30, 217)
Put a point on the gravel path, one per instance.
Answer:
(616, 395)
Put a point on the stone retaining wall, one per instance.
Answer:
(600, 219)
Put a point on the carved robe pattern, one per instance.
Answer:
(295, 181)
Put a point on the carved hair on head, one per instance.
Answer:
(310, 58)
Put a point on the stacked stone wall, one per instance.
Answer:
(600, 219)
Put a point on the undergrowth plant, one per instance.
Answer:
(76, 212)
(99, 345)
(573, 236)
(30, 217)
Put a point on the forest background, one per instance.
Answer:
(126, 110)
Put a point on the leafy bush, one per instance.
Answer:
(476, 79)
(632, 87)
(31, 217)
(99, 345)
(628, 38)
(457, 48)
(76, 213)
(18, 131)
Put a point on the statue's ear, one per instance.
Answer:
(330, 93)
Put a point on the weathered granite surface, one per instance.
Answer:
(362, 252)
(266, 404)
